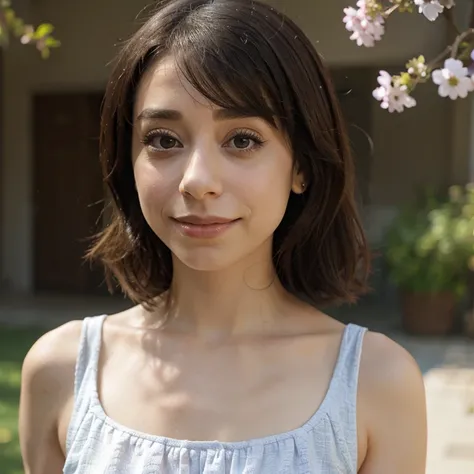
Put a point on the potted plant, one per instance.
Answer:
(429, 247)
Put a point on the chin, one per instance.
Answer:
(206, 259)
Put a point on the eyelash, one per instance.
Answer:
(150, 136)
(246, 134)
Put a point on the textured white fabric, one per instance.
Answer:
(325, 444)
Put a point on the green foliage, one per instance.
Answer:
(430, 245)
(10, 24)
(405, 5)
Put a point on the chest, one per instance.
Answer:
(228, 393)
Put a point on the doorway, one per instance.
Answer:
(68, 191)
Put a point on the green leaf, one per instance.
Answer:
(9, 16)
(45, 53)
(431, 243)
(52, 43)
(43, 30)
(405, 79)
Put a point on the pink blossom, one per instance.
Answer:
(365, 29)
(393, 98)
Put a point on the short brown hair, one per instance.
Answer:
(244, 55)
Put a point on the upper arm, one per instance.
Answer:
(47, 386)
(393, 409)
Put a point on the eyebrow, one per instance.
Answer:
(174, 115)
(163, 114)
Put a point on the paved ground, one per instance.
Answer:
(447, 365)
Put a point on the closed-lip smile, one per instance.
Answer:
(203, 221)
(203, 227)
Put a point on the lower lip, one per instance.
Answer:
(200, 231)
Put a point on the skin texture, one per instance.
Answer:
(239, 358)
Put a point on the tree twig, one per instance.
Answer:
(391, 10)
(433, 63)
(459, 40)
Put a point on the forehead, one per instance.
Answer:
(163, 84)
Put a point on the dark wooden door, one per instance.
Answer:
(67, 191)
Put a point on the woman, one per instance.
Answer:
(232, 221)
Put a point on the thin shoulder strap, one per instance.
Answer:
(348, 365)
(85, 381)
(89, 350)
(344, 401)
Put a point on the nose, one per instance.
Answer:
(201, 177)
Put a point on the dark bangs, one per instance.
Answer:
(232, 64)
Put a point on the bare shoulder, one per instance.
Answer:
(392, 408)
(55, 347)
(49, 366)
(47, 389)
(387, 368)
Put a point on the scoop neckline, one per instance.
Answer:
(98, 410)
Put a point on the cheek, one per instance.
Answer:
(152, 188)
(268, 192)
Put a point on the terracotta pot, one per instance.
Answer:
(429, 314)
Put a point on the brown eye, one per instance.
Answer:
(245, 141)
(242, 142)
(165, 142)
(161, 141)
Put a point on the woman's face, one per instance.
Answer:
(212, 185)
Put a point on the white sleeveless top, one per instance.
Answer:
(325, 444)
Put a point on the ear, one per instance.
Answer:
(298, 184)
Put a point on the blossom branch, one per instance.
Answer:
(455, 63)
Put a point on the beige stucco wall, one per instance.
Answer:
(88, 31)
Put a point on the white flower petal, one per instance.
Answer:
(464, 87)
(431, 10)
(349, 11)
(456, 67)
(397, 106)
(437, 76)
(384, 79)
(443, 90)
(467, 83)
(410, 102)
(451, 63)
(379, 93)
(447, 74)
(453, 93)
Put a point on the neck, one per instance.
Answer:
(246, 298)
